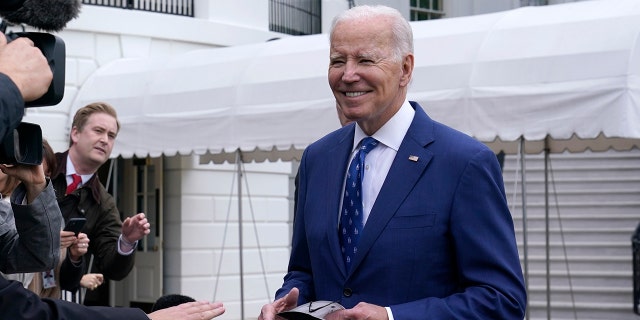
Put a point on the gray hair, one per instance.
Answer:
(402, 35)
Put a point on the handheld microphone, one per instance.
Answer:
(45, 15)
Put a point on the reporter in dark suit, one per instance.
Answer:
(17, 302)
(438, 239)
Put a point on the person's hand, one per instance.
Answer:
(32, 176)
(362, 310)
(79, 248)
(200, 310)
(26, 66)
(288, 302)
(91, 280)
(67, 238)
(135, 228)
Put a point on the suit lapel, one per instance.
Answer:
(337, 167)
(407, 168)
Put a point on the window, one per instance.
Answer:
(295, 17)
(176, 7)
(426, 10)
(524, 3)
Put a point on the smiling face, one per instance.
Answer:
(368, 80)
(92, 144)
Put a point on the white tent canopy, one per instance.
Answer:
(568, 74)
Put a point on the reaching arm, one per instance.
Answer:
(34, 244)
(26, 305)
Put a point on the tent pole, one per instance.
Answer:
(525, 246)
(113, 167)
(239, 168)
(546, 223)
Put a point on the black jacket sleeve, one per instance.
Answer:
(11, 105)
(17, 302)
(71, 274)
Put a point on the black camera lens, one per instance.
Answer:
(23, 145)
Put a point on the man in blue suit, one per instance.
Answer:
(438, 240)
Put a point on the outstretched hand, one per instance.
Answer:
(288, 302)
(200, 310)
(135, 228)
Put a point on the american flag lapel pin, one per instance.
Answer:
(413, 158)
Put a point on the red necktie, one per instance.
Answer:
(74, 184)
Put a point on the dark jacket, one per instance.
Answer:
(104, 225)
(17, 302)
(11, 105)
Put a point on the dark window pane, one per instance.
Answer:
(176, 7)
(426, 10)
(295, 17)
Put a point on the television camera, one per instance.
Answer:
(23, 145)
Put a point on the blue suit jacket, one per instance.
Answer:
(439, 242)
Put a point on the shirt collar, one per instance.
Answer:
(392, 133)
(72, 170)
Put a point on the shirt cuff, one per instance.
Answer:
(76, 264)
(389, 313)
(126, 244)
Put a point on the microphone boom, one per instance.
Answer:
(46, 15)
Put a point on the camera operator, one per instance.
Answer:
(25, 75)
(30, 225)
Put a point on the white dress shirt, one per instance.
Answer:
(379, 160)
